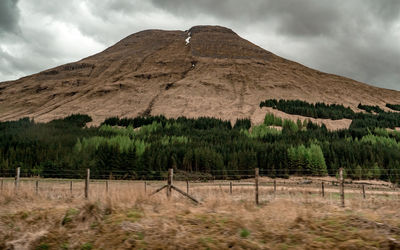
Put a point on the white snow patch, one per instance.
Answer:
(188, 39)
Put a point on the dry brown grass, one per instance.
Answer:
(127, 218)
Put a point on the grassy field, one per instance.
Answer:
(125, 217)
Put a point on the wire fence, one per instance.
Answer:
(255, 185)
(179, 174)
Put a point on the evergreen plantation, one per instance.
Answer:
(393, 106)
(145, 147)
(335, 112)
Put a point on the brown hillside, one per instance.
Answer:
(155, 72)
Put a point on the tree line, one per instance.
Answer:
(378, 119)
(393, 106)
(317, 110)
(370, 108)
(145, 147)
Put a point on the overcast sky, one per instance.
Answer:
(359, 39)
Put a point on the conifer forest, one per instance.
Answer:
(145, 147)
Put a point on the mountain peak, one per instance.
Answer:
(221, 42)
(210, 28)
(204, 71)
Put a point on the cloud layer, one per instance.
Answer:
(358, 39)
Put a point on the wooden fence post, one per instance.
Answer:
(17, 175)
(145, 187)
(2, 182)
(363, 190)
(70, 187)
(187, 186)
(274, 188)
(170, 180)
(323, 189)
(170, 186)
(230, 187)
(341, 186)
(107, 186)
(87, 183)
(256, 182)
(37, 187)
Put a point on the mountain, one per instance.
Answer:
(204, 71)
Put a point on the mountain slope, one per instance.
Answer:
(152, 72)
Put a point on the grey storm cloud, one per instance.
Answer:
(357, 38)
(298, 18)
(9, 15)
